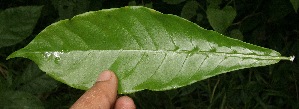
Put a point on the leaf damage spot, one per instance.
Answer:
(292, 58)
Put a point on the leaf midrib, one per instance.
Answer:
(254, 56)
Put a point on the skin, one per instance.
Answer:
(103, 95)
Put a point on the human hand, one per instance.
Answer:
(103, 95)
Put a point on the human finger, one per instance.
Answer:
(125, 102)
(101, 95)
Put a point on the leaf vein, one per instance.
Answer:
(135, 66)
(183, 64)
(130, 33)
(166, 32)
(163, 60)
(77, 36)
(147, 32)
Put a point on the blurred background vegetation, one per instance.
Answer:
(272, 24)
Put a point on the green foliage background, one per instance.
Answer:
(268, 23)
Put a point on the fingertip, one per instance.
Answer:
(125, 102)
(106, 85)
(106, 75)
(101, 95)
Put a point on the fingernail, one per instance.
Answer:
(104, 76)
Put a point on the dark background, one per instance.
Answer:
(272, 24)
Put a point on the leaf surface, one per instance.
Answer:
(189, 9)
(220, 20)
(146, 49)
(16, 24)
(295, 4)
(19, 100)
(34, 81)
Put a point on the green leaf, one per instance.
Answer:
(68, 8)
(295, 4)
(189, 9)
(19, 100)
(214, 3)
(236, 34)
(34, 81)
(220, 20)
(146, 50)
(278, 9)
(17, 23)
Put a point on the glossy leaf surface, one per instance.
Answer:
(145, 48)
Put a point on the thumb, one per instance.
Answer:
(102, 95)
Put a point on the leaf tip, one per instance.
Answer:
(15, 54)
(10, 56)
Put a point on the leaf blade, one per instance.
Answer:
(147, 50)
(17, 23)
(295, 4)
(220, 20)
